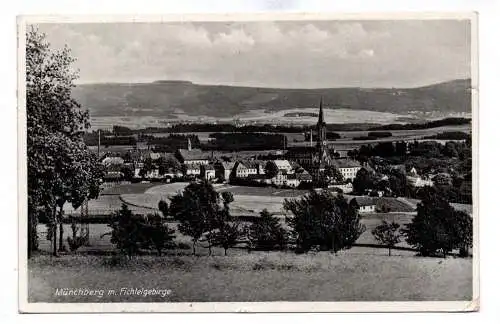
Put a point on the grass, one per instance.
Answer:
(273, 276)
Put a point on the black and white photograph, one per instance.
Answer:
(183, 162)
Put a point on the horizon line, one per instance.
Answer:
(158, 81)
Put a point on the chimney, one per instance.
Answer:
(189, 144)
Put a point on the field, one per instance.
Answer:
(273, 276)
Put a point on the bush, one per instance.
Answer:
(325, 220)
(266, 233)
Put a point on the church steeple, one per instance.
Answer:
(321, 126)
(321, 119)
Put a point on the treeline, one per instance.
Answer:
(231, 128)
(331, 136)
(246, 141)
(457, 136)
(92, 139)
(432, 124)
(172, 143)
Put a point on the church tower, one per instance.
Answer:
(321, 127)
(322, 158)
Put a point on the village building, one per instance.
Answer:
(192, 156)
(348, 168)
(223, 170)
(207, 172)
(192, 170)
(313, 159)
(366, 204)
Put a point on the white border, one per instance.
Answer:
(24, 306)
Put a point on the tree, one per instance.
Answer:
(362, 181)
(333, 173)
(156, 233)
(271, 169)
(163, 207)
(266, 232)
(388, 234)
(126, 231)
(60, 167)
(226, 230)
(196, 209)
(438, 227)
(324, 220)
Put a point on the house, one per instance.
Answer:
(193, 156)
(366, 204)
(223, 170)
(280, 178)
(418, 182)
(207, 172)
(243, 169)
(192, 170)
(345, 187)
(284, 166)
(347, 167)
(303, 176)
(292, 180)
(112, 160)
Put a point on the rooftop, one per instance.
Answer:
(194, 154)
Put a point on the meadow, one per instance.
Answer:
(258, 276)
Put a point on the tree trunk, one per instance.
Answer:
(389, 251)
(32, 233)
(225, 251)
(61, 230)
(194, 247)
(54, 232)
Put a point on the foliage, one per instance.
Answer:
(388, 234)
(324, 220)
(60, 167)
(199, 213)
(362, 181)
(132, 232)
(266, 233)
(438, 227)
(156, 233)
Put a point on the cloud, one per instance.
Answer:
(267, 53)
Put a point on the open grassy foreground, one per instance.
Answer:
(259, 276)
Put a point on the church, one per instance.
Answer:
(313, 158)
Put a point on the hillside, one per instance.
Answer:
(165, 99)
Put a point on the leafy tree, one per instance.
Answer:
(60, 168)
(333, 174)
(226, 230)
(163, 207)
(126, 231)
(438, 227)
(362, 181)
(324, 220)
(266, 232)
(388, 234)
(156, 233)
(196, 208)
(271, 169)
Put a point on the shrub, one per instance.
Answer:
(266, 233)
(322, 219)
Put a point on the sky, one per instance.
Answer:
(283, 54)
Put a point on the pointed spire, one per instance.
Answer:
(321, 119)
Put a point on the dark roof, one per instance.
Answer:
(194, 154)
(346, 163)
(364, 201)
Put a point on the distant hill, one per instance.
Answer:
(165, 98)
